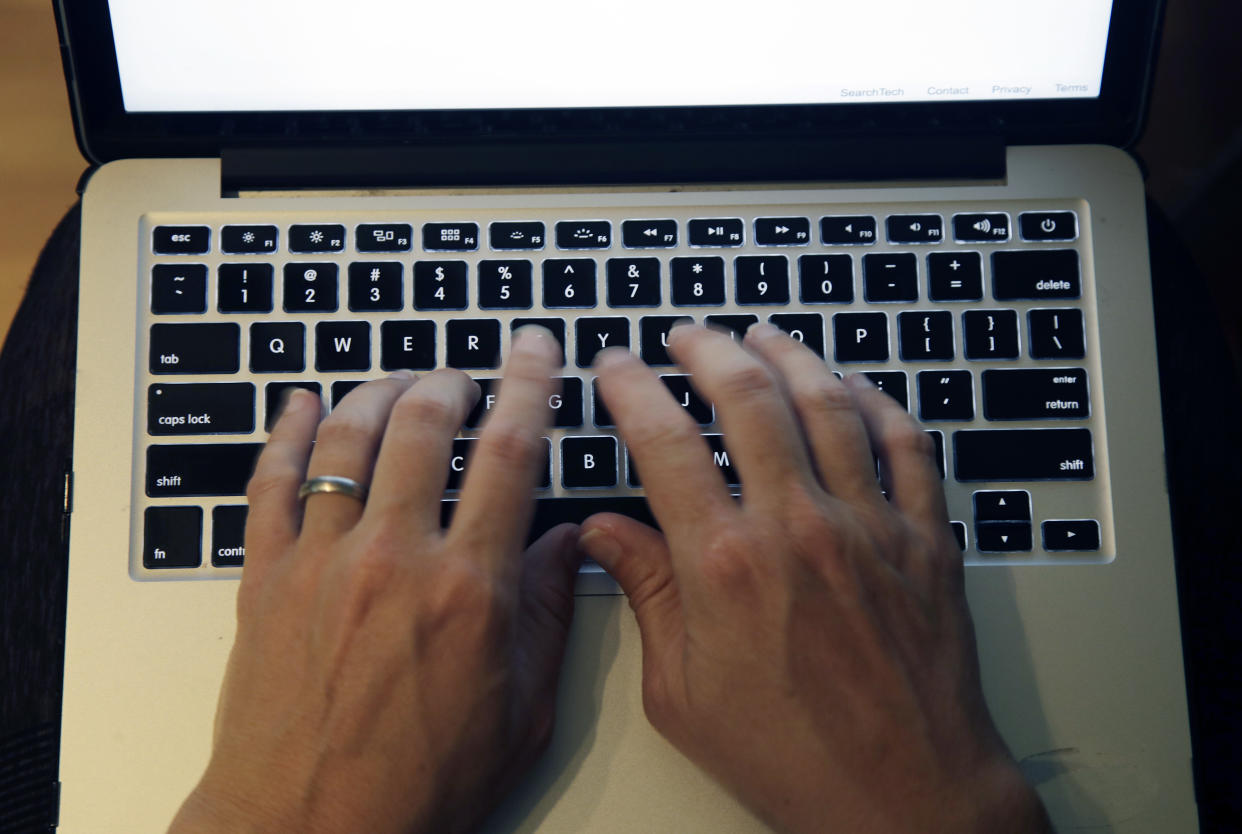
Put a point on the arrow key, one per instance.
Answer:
(1003, 536)
(1002, 505)
(649, 234)
(1076, 534)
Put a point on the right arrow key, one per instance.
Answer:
(1072, 535)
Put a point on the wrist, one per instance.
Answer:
(1009, 803)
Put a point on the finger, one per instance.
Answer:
(829, 415)
(412, 468)
(345, 447)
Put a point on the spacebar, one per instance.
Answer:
(550, 512)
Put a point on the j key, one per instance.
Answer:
(1003, 537)
(342, 346)
(762, 279)
(316, 237)
(991, 334)
(1024, 455)
(653, 338)
(440, 285)
(1035, 394)
(603, 417)
(807, 328)
(860, 337)
(178, 288)
(633, 282)
(583, 234)
(826, 279)
(981, 228)
(277, 347)
(588, 462)
(555, 326)
(383, 237)
(504, 284)
(782, 231)
(954, 276)
(310, 288)
(843, 231)
(717, 232)
(523, 235)
(649, 234)
(891, 277)
(1071, 534)
(1048, 225)
(181, 240)
(735, 325)
(569, 282)
(1056, 334)
(472, 343)
(946, 395)
(244, 288)
(699, 410)
(249, 240)
(915, 228)
(200, 408)
(698, 282)
(200, 469)
(893, 383)
(171, 537)
(450, 237)
(228, 535)
(274, 398)
(1002, 505)
(925, 336)
(195, 348)
(375, 285)
(1036, 274)
(595, 334)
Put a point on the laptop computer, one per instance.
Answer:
(933, 194)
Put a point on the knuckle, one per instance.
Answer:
(422, 409)
(510, 443)
(272, 481)
(678, 432)
(731, 562)
(823, 397)
(747, 381)
(904, 436)
(345, 430)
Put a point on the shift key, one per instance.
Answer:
(1023, 455)
(200, 469)
(200, 408)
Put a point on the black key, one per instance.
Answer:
(274, 398)
(1036, 394)
(342, 346)
(440, 285)
(844, 231)
(915, 228)
(375, 285)
(649, 234)
(826, 279)
(228, 536)
(1003, 537)
(946, 395)
(1071, 534)
(860, 337)
(556, 326)
(1048, 225)
(472, 343)
(720, 457)
(463, 449)
(807, 328)
(407, 344)
(450, 237)
(762, 279)
(567, 404)
(181, 240)
(717, 232)
(990, 227)
(171, 537)
(595, 334)
(1036, 274)
(633, 282)
(937, 438)
(316, 237)
(488, 389)
(341, 388)
(178, 288)
(954, 276)
(588, 462)
(569, 282)
(200, 469)
(244, 288)
(699, 410)
(653, 338)
(925, 336)
(522, 235)
(782, 231)
(1023, 455)
(959, 533)
(891, 277)
(1002, 505)
(603, 417)
(893, 383)
(505, 285)
(991, 334)
(383, 237)
(310, 288)
(195, 348)
(735, 324)
(698, 282)
(249, 240)
(277, 347)
(1056, 334)
(583, 234)
(200, 408)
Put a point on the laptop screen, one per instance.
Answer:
(319, 55)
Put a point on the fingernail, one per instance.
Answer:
(859, 381)
(282, 405)
(533, 339)
(608, 357)
(680, 329)
(762, 330)
(600, 546)
(401, 374)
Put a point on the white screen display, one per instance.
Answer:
(219, 55)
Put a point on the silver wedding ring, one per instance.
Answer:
(333, 484)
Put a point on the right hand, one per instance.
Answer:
(810, 645)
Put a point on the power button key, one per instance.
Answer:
(1048, 225)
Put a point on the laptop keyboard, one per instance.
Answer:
(982, 329)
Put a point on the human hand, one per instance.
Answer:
(810, 645)
(390, 675)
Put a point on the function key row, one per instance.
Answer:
(305, 238)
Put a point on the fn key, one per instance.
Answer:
(171, 537)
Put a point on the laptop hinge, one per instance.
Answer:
(602, 161)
